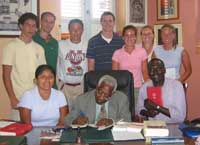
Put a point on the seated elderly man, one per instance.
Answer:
(161, 98)
(100, 105)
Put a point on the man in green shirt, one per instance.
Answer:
(45, 39)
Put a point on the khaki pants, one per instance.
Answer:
(70, 92)
(136, 94)
(15, 115)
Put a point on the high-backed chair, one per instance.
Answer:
(124, 80)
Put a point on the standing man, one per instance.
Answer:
(45, 39)
(72, 62)
(21, 57)
(102, 46)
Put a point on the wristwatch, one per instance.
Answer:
(157, 107)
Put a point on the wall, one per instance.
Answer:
(189, 17)
(189, 13)
(44, 5)
(4, 107)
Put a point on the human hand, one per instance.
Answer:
(14, 101)
(152, 113)
(80, 120)
(148, 113)
(138, 118)
(104, 122)
(60, 124)
(149, 105)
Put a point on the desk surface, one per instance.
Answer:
(33, 138)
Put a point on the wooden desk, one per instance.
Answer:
(33, 138)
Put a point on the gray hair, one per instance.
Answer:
(109, 80)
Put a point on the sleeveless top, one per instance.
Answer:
(172, 60)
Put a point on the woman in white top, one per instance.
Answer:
(172, 55)
(43, 105)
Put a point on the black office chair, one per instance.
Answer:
(124, 79)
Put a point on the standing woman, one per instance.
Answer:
(147, 37)
(172, 55)
(43, 105)
(131, 58)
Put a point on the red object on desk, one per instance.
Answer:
(16, 128)
(155, 95)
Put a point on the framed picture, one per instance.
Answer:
(10, 11)
(167, 9)
(136, 12)
(157, 30)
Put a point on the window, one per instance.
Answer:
(89, 11)
(99, 6)
(71, 9)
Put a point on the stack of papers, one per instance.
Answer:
(127, 131)
(50, 135)
(155, 128)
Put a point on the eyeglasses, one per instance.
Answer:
(101, 92)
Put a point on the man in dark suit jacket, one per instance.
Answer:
(88, 106)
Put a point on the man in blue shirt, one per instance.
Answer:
(101, 46)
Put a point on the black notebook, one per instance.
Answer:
(88, 135)
(13, 140)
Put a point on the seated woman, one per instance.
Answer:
(43, 105)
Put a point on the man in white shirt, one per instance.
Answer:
(102, 46)
(172, 108)
(72, 62)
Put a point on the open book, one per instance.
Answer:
(127, 131)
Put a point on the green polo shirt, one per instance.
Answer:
(50, 49)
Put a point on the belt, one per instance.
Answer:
(69, 84)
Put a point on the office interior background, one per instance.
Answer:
(189, 17)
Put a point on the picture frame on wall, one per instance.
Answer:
(136, 12)
(10, 11)
(167, 9)
(157, 31)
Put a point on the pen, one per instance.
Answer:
(82, 114)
